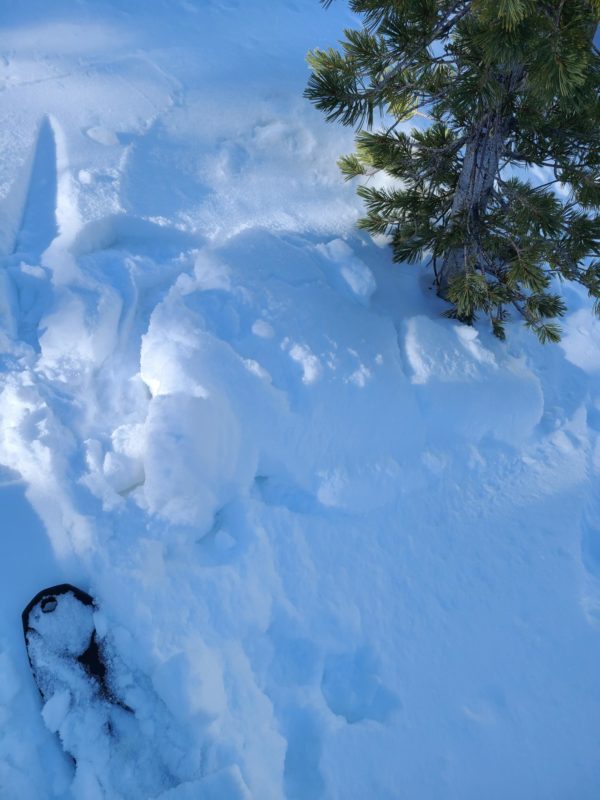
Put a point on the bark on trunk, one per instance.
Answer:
(475, 184)
(473, 192)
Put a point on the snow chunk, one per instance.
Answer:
(103, 135)
(347, 271)
(56, 709)
(121, 469)
(210, 273)
(34, 271)
(256, 369)
(361, 376)
(311, 366)
(191, 684)
(263, 329)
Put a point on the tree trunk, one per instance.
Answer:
(474, 188)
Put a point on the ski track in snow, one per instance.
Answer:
(342, 547)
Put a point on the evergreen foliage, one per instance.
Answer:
(506, 86)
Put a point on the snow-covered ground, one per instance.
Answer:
(342, 548)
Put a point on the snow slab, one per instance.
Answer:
(341, 547)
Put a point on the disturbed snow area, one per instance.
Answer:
(341, 547)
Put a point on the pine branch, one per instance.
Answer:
(442, 30)
(513, 82)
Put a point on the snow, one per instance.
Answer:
(56, 709)
(341, 547)
(226, 783)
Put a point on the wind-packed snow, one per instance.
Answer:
(341, 547)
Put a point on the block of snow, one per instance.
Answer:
(463, 389)
(581, 340)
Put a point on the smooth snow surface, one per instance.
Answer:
(342, 547)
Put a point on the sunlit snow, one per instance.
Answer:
(342, 548)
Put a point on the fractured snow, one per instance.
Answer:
(342, 547)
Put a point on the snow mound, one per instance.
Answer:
(462, 380)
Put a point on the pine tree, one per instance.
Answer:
(499, 90)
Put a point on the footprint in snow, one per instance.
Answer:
(353, 689)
